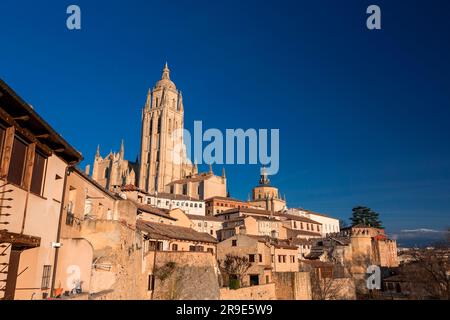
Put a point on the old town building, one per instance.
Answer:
(34, 161)
(265, 254)
(216, 205)
(329, 224)
(207, 224)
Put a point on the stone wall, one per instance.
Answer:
(292, 285)
(193, 277)
(346, 289)
(118, 272)
(261, 292)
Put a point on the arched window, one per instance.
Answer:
(106, 173)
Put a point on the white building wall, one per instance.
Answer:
(195, 207)
(329, 224)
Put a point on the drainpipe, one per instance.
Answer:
(58, 235)
(153, 271)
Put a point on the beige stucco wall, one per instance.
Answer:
(83, 197)
(39, 217)
(74, 264)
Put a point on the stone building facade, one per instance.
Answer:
(163, 152)
(113, 171)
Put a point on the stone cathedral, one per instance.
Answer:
(163, 166)
(163, 153)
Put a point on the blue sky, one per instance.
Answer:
(363, 115)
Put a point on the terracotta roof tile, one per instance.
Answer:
(161, 231)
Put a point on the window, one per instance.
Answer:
(174, 247)
(70, 217)
(254, 280)
(210, 250)
(251, 258)
(2, 138)
(196, 248)
(199, 224)
(17, 162)
(206, 224)
(234, 243)
(260, 258)
(292, 259)
(155, 245)
(46, 277)
(151, 282)
(200, 205)
(185, 189)
(272, 258)
(211, 232)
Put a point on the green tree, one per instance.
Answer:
(366, 217)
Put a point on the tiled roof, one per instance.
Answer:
(154, 210)
(301, 241)
(196, 178)
(277, 243)
(203, 218)
(303, 232)
(161, 231)
(269, 213)
(172, 196)
(315, 213)
(225, 199)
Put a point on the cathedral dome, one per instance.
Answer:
(165, 81)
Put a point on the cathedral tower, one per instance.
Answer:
(163, 153)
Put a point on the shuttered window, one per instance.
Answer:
(17, 163)
(2, 139)
(38, 173)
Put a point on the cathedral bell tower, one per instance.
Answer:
(163, 153)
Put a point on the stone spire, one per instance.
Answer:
(195, 167)
(210, 169)
(166, 72)
(223, 173)
(148, 102)
(122, 150)
(97, 154)
(165, 81)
